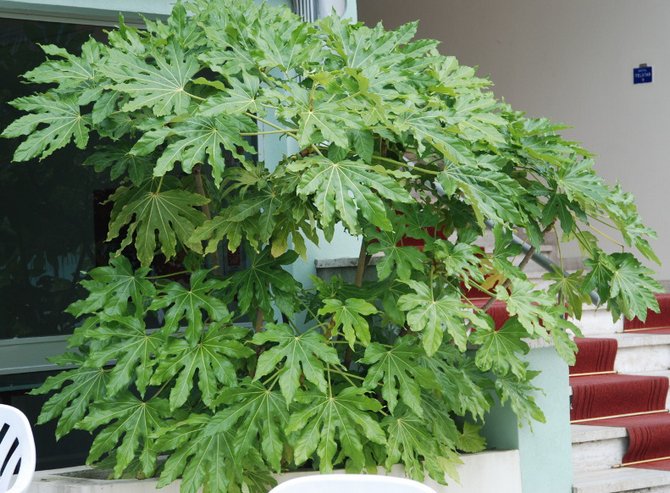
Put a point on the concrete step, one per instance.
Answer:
(642, 352)
(638, 352)
(597, 447)
(626, 479)
(597, 322)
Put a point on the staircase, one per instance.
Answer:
(622, 370)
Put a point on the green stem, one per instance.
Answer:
(318, 151)
(605, 235)
(160, 184)
(265, 132)
(346, 376)
(558, 247)
(194, 96)
(406, 165)
(269, 123)
(272, 380)
(171, 274)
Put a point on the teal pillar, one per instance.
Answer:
(545, 449)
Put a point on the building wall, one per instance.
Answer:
(571, 61)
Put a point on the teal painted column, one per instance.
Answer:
(545, 449)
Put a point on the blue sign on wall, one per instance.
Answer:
(642, 75)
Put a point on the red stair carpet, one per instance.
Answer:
(602, 397)
(656, 323)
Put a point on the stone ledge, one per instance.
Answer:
(494, 470)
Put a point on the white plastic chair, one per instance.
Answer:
(350, 483)
(17, 444)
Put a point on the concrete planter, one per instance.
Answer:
(491, 471)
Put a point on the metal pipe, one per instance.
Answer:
(542, 260)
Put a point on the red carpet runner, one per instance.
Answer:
(656, 323)
(600, 397)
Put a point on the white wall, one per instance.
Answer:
(571, 61)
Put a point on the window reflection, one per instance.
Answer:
(47, 228)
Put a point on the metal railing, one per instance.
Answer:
(542, 260)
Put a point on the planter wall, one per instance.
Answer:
(491, 471)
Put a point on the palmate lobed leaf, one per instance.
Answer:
(264, 283)
(256, 416)
(76, 390)
(302, 354)
(127, 428)
(520, 394)
(500, 350)
(490, 192)
(350, 316)
(215, 358)
(460, 387)
(343, 188)
(65, 69)
(120, 162)
(335, 425)
(53, 122)
(170, 214)
(536, 310)
(125, 343)
(397, 369)
(209, 460)
(633, 289)
(433, 315)
(196, 141)
(411, 442)
(159, 85)
(112, 287)
(192, 306)
(398, 259)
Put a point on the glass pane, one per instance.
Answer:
(47, 210)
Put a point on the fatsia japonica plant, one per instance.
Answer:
(223, 378)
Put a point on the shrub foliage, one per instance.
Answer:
(386, 137)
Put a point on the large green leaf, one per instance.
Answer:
(159, 85)
(398, 370)
(335, 427)
(127, 428)
(520, 394)
(75, 390)
(69, 71)
(461, 388)
(257, 417)
(489, 192)
(125, 343)
(121, 162)
(302, 354)
(568, 288)
(433, 315)
(266, 282)
(345, 187)
(578, 181)
(213, 357)
(192, 306)
(198, 140)
(632, 287)
(52, 123)
(112, 287)
(207, 460)
(412, 443)
(350, 316)
(403, 260)
(501, 350)
(171, 214)
(318, 117)
(535, 309)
